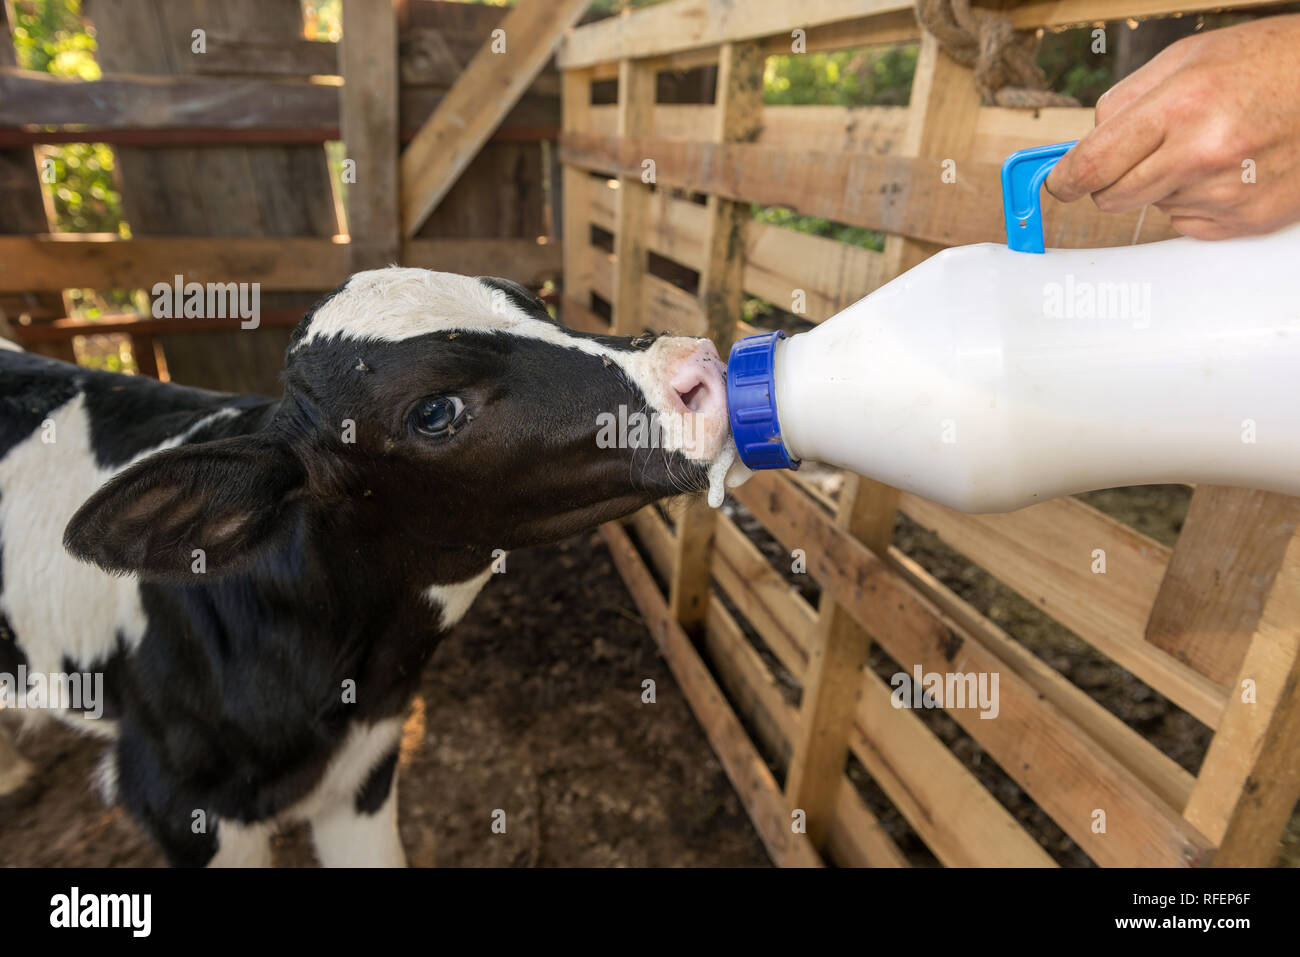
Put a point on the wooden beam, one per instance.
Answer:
(954, 814)
(1250, 778)
(188, 110)
(477, 103)
(737, 112)
(368, 118)
(636, 97)
(576, 188)
(1064, 772)
(754, 783)
(126, 101)
(63, 261)
(689, 24)
(1045, 553)
(891, 193)
(831, 685)
(1220, 574)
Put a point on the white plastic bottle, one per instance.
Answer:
(987, 379)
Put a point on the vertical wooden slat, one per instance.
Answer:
(737, 119)
(368, 121)
(636, 100)
(941, 124)
(1250, 779)
(482, 95)
(1222, 569)
(576, 218)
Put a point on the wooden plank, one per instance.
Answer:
(754, 783)
(577, 188)
(105, 261)
(1061, 769)
(529, 261)
(1250, 779)
(780, 616)
(687, 24)
(1157, 770)
(123, 101)
(256, 56)
(857, 838)
(1221, 572)
(636, 97)
(1000, 131)
(831, 684)
(956, 816)
(890, 193)
(166, 111)
(959, 820)
(828, 129)
(1061, 13)
(368, 118)
(656, 538)
(577, 316)
(1045, 552)
(738, 107)
(790, 269)
(480, 99)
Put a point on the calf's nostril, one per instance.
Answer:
(693, 398)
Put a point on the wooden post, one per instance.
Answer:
(575, 195)
(1220, 574)
(636, 101)
(737, 119)
(1250, 779)
(484, 93)
(941, 124)
(369, 124)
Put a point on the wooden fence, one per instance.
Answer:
(224, 178)
(1213, 624)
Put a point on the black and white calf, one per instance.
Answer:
(232, 563)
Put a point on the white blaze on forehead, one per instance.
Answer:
(399, 303)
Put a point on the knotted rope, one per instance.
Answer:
(1006, 72)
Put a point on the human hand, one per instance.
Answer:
(1208, 131)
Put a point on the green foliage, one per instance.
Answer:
(864, 77)
(1072, 68)
(51, 36)
(816, 226)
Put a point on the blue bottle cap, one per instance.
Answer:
(751, 403)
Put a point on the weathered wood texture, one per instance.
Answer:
(1211, 624)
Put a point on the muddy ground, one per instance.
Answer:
(532, 706)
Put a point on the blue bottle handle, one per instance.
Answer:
(1023, 173)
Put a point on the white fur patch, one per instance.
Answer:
(454, 600)
(7, 344)
(58, 606)
(399, 303)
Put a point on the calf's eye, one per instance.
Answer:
(437, 415)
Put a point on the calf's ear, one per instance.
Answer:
(180, 515)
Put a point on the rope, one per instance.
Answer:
(1006, 71)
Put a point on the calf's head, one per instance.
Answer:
(431, 418)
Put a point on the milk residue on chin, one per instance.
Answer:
(726, 471)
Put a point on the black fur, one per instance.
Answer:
(318, 550)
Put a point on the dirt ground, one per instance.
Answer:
(532, 706)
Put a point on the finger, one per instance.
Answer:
(1148, 183)
(1108, 152)
(1141, 81)
(1199, 227)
